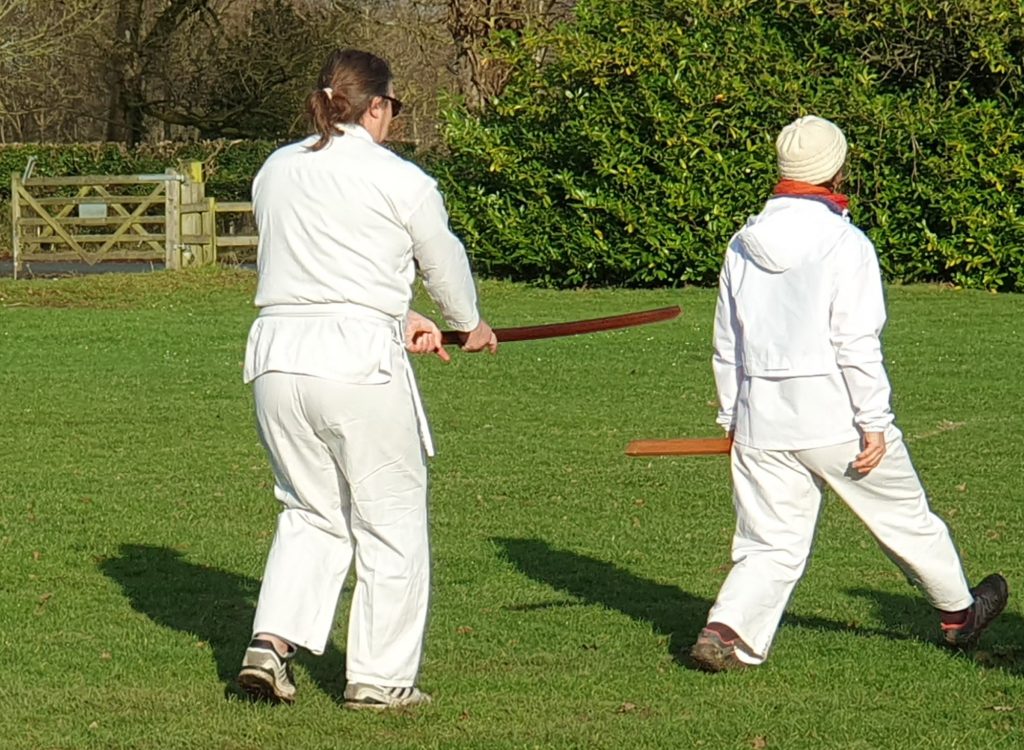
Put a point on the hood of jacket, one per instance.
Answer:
(789, 232)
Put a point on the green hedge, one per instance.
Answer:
(630, 144)
(633, 141)
(229, 165)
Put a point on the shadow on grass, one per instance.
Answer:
(673, 613)
(213, 605)
(1001, 646)
(679, 616)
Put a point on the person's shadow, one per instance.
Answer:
(217, 607)
(679, 616)
(213, 605)
(1001, 646)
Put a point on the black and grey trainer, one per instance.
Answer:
(990, 598)
(265, 674)
(379, 697)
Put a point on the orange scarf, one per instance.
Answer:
(796, 189)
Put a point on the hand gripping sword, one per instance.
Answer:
(572, 328)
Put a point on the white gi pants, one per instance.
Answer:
(350, 470)
(777, 496)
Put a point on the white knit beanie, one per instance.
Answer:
(811, 149)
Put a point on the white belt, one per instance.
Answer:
(352, 309)
(330, 309)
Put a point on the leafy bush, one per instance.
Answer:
(630, 144)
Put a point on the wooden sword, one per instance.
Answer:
(680, 447)
(572, 328)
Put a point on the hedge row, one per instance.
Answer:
(629, 145)
(229, 165)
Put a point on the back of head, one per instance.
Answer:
(347, 84)
(810, 149)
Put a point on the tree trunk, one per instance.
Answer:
(472, 23)
(124, 113)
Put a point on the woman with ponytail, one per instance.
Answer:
(344, 223)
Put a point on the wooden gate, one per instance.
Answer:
(164, 218)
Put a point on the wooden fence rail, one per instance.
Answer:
(163, 217)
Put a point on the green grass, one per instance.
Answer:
(135, 514)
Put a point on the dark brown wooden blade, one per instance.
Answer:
(572, 328)
(680, 447)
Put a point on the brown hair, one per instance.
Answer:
(354, 78)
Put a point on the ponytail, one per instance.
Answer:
(348, 82)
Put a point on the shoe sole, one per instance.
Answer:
(375, 706)
(361, 706)
(259, 685)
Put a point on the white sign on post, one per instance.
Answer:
(92, 211)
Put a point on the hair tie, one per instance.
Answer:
(329, 91)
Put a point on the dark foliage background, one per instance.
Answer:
(629, 145)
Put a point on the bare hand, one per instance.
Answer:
(873, 444)
(422, 336)
(480, 338)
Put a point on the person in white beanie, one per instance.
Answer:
(344, 224)
(803, 392)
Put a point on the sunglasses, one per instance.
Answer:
(396, 104)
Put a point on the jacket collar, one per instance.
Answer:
(355, 129)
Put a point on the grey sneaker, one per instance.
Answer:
(990, 598)
(265, 674)
(712, 654)
(379, 697)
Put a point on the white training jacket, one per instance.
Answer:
(798, 362)
(341, 233)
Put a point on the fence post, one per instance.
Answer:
(15, 218)
(172, 221)
(209, 255)
(192, 193)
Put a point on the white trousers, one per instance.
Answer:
(350, 471)
(777, 497)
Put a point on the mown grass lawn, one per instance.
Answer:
(135, 514)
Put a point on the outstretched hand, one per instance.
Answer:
(422, 336)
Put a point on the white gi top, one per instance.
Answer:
(341, 232)
(798, 361)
